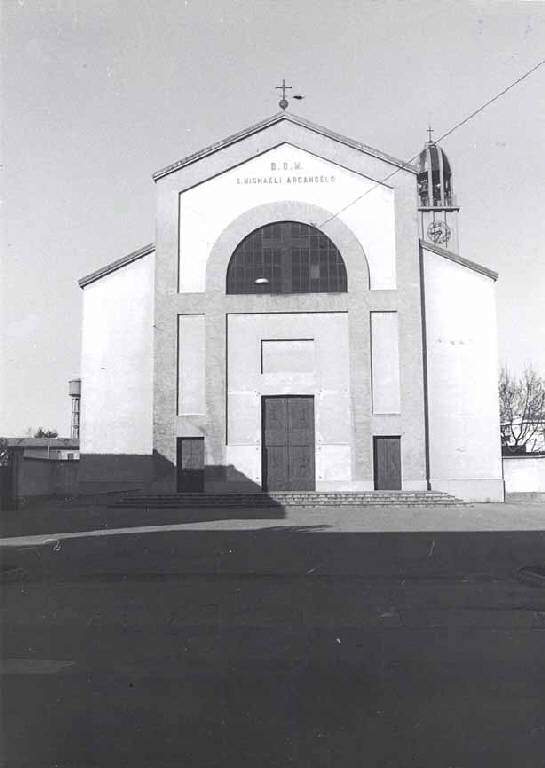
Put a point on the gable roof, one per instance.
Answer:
(115, 265)
(459, 259)
(274, 120)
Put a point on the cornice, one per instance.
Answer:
(459, 259)
(269, 122)
(115, 265)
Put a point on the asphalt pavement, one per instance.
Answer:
(38, 522)
(275, 642)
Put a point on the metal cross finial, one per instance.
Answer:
(430, 131)
(283, 103)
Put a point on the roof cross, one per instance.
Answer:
(283, 103)
(430, 131)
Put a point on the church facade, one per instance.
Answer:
(304, 321)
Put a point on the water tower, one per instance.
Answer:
(74, 390)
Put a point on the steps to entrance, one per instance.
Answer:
(288, 499)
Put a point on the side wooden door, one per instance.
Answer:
(190, 464)
(387, 463)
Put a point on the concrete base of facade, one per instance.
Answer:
(104, 472)
(122, 472)
(322, 486)
(226, 486)
(471, 490)
(164, 485)
(415, 485)
(230, 486)
(356, 486)
(330, 486)
(528, 497)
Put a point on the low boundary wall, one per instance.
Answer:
(34, 477)
(524, 473)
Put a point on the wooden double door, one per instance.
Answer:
(288, 443)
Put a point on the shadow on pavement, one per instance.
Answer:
(98, 512)
(282, 549)
(285, 646)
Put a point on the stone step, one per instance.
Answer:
(282, 494)
(286, 498)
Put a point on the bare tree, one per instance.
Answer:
(522, 410)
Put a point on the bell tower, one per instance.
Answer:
(438, 211)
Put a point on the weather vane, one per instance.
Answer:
(283, 103)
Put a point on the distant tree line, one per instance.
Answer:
(40, 432)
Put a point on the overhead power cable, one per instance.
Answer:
(444, 135)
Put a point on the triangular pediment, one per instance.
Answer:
(271, 122)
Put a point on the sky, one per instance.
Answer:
(98, 94)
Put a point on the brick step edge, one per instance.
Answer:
(283, 495)
(292, 504)
(175, 501)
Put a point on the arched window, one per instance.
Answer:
(286, 257)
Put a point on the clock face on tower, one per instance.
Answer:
(439, 232)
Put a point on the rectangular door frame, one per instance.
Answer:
(376, 439)
(180, 470)
(291, 396)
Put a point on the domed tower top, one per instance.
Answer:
(434, 177)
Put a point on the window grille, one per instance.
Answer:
(286, 257)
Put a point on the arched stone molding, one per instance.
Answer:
(349, 246)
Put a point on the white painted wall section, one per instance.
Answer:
(462, 367)
(288, 355)
(191, 364)
(117, 361)
(287, 173)
(524, 474)
(385, 362)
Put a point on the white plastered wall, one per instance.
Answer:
(524, 474)
(385, 362)
(286, 173)
(327, 379)
(462, 375)
(191, 364)
(117, 361)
